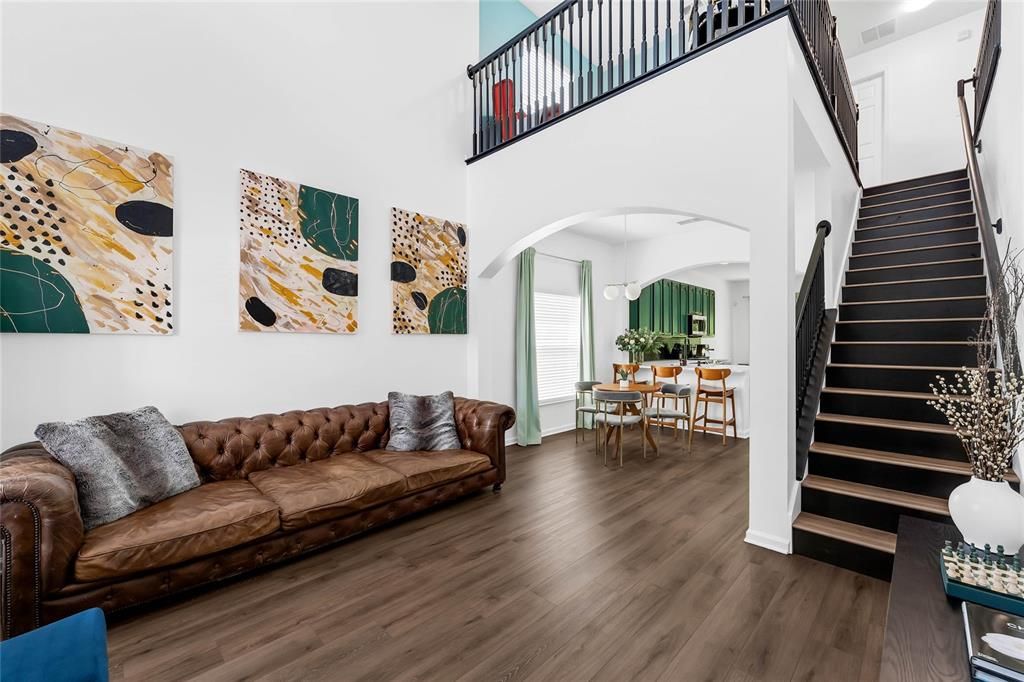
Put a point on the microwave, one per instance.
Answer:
(698, 325)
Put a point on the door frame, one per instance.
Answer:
(883, 123)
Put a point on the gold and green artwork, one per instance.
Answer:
(428, 274)
(86, 230)
(299, 253)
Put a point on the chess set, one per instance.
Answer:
(983, 576)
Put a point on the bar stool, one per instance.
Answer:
(659, 413)
(710, 394)
(584, 390)
(631, 369)
(616, 417)
(667, 376)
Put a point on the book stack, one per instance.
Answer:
(995, 644)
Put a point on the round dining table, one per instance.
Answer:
(645, 389)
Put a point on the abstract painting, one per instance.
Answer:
(85, 234)
(428, 274)
(299, 250)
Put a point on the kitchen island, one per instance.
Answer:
(739, 380)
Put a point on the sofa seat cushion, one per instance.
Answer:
(328, 488)
(195, 523)
(423, 469)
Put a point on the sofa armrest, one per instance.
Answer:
(482, 426)
(40, 533)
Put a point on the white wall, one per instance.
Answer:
(920, 121)
(307, 92)
(739, 296)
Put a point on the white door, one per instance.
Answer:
(868, 94)
(741, 331)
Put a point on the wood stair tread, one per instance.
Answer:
(925, 503)
(916, 234)
(918, 265)
(910, 343)
(863, 536)
(916, 300)
(926, 368)
(927, 196)
(878, 393)
(916, 248)
(913, 281)
(923, 427)
(899, 459)
(923, 319)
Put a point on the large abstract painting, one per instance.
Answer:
(85, 234)
(299, 250)
(428, 274)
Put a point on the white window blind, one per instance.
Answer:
(557, 319)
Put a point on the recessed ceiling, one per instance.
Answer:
(641, 226)
(864, 25)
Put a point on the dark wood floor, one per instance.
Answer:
(572, 572)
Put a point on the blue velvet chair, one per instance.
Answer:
(73, 649)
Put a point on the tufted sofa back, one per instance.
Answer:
(234, 448)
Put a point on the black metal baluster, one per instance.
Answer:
(572, 61)
(643, 42)
(600, 50)
(475, 119)
(694, 25)
(741, 14)
(515, 103)
(668, 30)
(590, 49)
(611, 61)
(622, 65)
(524, 122)
(485, 107)
(553, 89)
(759, 5)
(725, 17)
(508, 96)
(709, 22)
(561, 53)
(681, 29)
(657, 55)
(543, 58)
(632, 39)
(496, 95)
(580, 99)
(490, 99)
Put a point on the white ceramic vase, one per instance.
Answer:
(623, 383)
(988, 513)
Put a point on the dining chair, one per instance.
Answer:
(612, 415)
(631, 368)
(667, 375)
(585, 405)
(659, 413)
(706, 395)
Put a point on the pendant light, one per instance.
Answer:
(630, 289)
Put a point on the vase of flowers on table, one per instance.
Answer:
(985, 407)
(635, 342)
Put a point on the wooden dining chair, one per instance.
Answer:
(631, 368)
(612, 414)
(711, 393)
(660, 411)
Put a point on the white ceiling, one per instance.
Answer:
(853, 17)
(640, 226)
(729, 272)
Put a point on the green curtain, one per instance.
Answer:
(527, 405)
(586, 321)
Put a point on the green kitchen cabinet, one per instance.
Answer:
(665, 307)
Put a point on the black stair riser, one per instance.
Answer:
(908, 479)
(940, 253)
(884, 407)
(868, 513)
(926, 271)
(944, 330)
(916, 228)
(940, 288)
(936, 199)
(914, 310)
(923, 443)
(846, 555)
(940, 238)
(914, 216)
(944, 355)
(917, 192)
(886, 379)
(888, 188)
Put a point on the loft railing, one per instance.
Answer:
(1005, 333)
(584, 51)
(988, 58)
(812, 335)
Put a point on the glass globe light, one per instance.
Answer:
(632, 291)
(611, 292)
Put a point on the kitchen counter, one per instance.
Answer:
(739, 380)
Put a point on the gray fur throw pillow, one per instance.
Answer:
(422, 422)
(122, 462)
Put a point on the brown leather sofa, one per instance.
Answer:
(273, 487)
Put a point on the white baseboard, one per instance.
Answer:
(772, 542)
(510, 436)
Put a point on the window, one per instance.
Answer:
(557, 317)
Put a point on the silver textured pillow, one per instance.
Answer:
(422, 422)
(122, 462)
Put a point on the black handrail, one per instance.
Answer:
(993, 264)
(988, 58)
(527, 83)
(810, 316)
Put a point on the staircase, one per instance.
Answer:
(913, 299)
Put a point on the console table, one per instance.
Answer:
(924, 631)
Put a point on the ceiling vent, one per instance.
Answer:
(883, 30)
